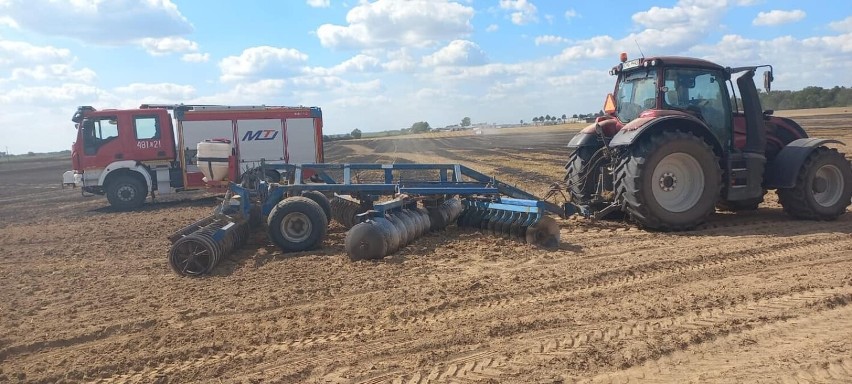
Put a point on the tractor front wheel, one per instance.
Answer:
(581, 176)
(670, 181)
(823, 187)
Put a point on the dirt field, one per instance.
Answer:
(87, 295)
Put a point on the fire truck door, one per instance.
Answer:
(260, 139)
(101, 142)
(301, 141)
(149, 143)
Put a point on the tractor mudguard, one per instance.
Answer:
(782, 172)
(640, 126)
(584, 140)
(588, 137)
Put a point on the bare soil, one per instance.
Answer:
(87, 295)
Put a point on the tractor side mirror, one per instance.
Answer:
(767, 81)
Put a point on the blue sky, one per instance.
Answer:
(377, 65)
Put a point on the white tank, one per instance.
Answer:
(213, 159)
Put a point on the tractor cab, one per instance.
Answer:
(662, 86)
(684, 136)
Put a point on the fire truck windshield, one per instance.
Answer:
(636, 93)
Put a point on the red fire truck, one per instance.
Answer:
(130, 154)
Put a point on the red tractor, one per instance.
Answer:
(677, 142)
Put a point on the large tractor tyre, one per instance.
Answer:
(670, 181)
(322, 201)
(580, 179)
(126, 193)
(823, 187)
(296, 224)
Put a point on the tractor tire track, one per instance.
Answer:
(547, 295)
(710, 362)
(695, 329)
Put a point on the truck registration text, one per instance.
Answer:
(148, 144)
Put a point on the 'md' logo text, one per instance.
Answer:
(264, 134)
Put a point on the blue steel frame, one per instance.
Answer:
(451, 181)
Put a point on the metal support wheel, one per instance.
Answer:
(297, 224)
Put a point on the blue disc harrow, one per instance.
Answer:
(383, 206)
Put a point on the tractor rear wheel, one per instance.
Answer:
(823, 187)
(126, 192)
(670, 181)
(296, 224)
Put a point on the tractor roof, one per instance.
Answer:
(686, 62)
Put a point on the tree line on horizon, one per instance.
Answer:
(809, 97)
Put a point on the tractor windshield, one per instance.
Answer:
(637, 91)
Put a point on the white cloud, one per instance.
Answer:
(319, 3)
(571, 13)
(778, 17)
(748, 3)
(388, 23)
(356, 64)
(69, 93)
(666, 31)
(20, 53)
(96, 21)
(400, 61)
(458, 52)
(156, 92)
(260, 62)
(524, 12)
(168, 45)
(492, 28)
(550, 39)
(27, 63)
(6, 21)
(195, 57)
(844, 25)
(62, 72)
(792, 59)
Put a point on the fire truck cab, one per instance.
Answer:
(130, 154)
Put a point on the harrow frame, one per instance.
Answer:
(381, 226)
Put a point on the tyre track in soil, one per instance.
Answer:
(692, 329)
(482, 305)
(492, 302)
(544, 294)
(765, 358)
(69, 342)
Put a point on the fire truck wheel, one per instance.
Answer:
(296, 224)
(126, 193)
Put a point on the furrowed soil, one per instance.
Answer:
(87, 295)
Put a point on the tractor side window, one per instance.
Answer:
(636, 93)
(735, 102)
(146, 127)
(700, 92)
